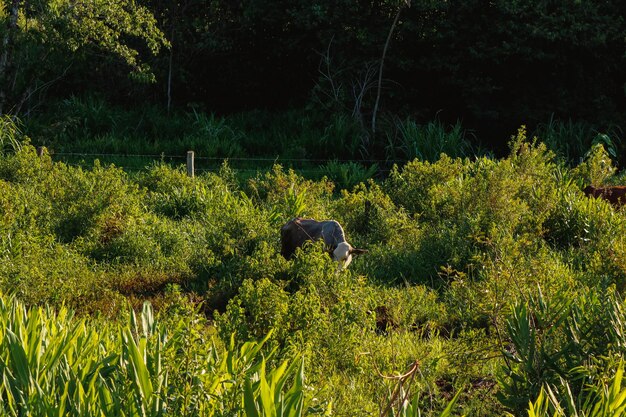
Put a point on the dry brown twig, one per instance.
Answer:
(399, 390)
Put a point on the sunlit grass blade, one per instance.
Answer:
(138, 368)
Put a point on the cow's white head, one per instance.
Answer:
(342, 254)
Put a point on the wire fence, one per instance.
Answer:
(215, 158)
(139, 162)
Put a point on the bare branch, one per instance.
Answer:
(406, 3)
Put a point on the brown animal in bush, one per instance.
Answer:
(615, 194)
(298, 231)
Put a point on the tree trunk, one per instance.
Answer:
(6, 57)
(170, 64)
(169, 72)
(380, 69)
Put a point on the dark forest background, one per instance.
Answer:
(490, 65)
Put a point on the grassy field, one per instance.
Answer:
(489, 284)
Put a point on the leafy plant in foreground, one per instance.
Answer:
(265, 397)
(566, 342)
(54, 364)
(605, 399)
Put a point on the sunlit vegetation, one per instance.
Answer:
(56, 364)
(451, 139)
(491, 286)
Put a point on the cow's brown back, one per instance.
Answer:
(616, 194)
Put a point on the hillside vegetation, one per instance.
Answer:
(490, 282)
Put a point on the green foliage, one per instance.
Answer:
(478, 270)
(597, 167)
(266, 397)
(604, 399)
(573, 141)
(342, 137)
(89, 124)
(427, 142)
(52, 363)
(565, 343)
(295, 202)
(411, 185)
(221, 140)
(40, 40)
(469, 208)
(174, 194)
(259, 307)
(285, 192)
(347, 175)
(10, 135)
(578, 221)
(370, 215)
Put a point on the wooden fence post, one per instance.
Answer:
(190, 162)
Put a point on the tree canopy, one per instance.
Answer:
(43, 39)
(492, 64)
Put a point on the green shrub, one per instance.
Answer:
(40, 270)
(466, 208)
(370, 216)
(25, 167)
(283, 191)
(70, 202)
(346, 175)
(258, 307)
(597, 168)
(92, 204)
(411, 185)
(414, 309)
(172, 193)
(578, 221)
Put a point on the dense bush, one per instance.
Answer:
(479, 271)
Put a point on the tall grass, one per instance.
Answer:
(10, 135)
(571, 140)
(411, 140)
(347, 175)
(53, 364)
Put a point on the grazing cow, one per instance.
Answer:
(298, 231)
(615, 194)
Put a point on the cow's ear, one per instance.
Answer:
(355, 251)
